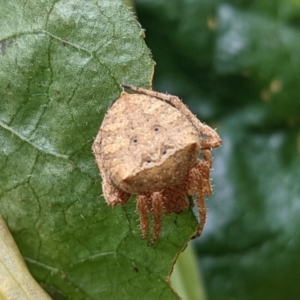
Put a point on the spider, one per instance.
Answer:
(149, 145)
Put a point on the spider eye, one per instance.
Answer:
(156, 128)
(164, 150)
(135, 141)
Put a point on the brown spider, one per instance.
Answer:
(148, 145)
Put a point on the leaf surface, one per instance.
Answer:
(61, 64)
(237, 66)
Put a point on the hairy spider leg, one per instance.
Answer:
(204, 169)
(199, 185)
(157, 206)
(142, 207)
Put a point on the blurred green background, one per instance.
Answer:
(237, 66)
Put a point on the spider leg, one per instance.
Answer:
(113, 195)
(157, 206)
(202, 211)
(212, 141)
(195, 187)
(199, 185)
(142, 207)
(204, 169)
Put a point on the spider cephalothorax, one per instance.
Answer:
(149, 145)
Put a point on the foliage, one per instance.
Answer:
(61, 64)
(237, 65)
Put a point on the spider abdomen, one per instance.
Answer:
(147, 144)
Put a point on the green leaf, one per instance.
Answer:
(61, 64)
(237, 65)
